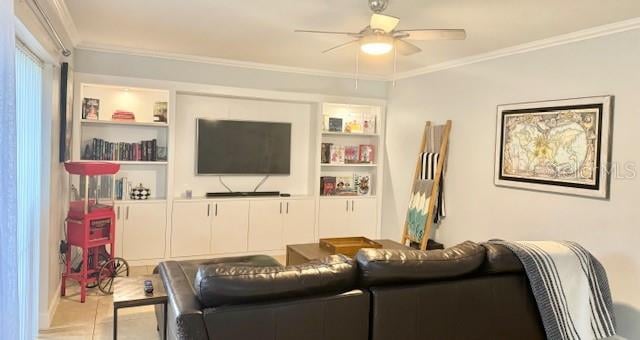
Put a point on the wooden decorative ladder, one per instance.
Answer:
(428, 144)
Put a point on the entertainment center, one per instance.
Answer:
(235, 202)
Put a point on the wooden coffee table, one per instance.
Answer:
(303, 253)
(129, 292)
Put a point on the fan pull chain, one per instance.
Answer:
(395, 62)
(357, 66)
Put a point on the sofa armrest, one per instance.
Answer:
(185, 318)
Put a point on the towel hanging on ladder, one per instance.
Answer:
(429, 165)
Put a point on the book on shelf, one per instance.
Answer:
(354, 184)
(100, 149)
(366, 153)
(325, 153)
(351, 154)
(123, 116)
(337, 154)
(327, 185)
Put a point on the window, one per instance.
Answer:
(29, 71)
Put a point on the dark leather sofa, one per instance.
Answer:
(469, 291)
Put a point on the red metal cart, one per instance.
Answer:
(91, 228)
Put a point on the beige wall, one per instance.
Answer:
(478, 210)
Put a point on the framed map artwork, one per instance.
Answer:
(559, 146)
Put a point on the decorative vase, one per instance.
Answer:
(140, 193)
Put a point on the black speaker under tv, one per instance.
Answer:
(242, 147)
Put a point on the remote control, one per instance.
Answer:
(148, 287)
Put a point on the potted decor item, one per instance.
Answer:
(140, 193)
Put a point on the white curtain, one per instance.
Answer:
(9, 319)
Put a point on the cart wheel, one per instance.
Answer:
(116, 267)
(102, 259)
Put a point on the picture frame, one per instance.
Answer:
(560, 146)
(66, 112)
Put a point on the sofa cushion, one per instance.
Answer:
(221, 284)
(386, 266)
(500, 260)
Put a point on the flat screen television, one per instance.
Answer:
(243, 147)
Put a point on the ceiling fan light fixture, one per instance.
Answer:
(376, 44)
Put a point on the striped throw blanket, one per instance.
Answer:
(570, 288)
(428, 165)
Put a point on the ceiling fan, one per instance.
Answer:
(381, 35)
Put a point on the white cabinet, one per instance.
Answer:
(265, 225)
(299, 221)
(275, 223)
(229, 226)
(191, 228)
(344, 217)
(140, 230)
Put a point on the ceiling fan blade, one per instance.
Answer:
(433, 34)
(406, 48)
(383, 22)
(340, 46)
(328, 32)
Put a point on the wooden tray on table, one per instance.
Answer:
(347, 245)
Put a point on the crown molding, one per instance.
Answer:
(590, 33)
(225, 62)
(62, 11)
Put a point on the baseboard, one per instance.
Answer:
(45, 319)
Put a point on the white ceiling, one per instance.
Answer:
(261, 31)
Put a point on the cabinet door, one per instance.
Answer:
(265, 225)
(144, 231)
(364, 219)
(190, 228)
(229, 226)
(334, 218)
(299, 221)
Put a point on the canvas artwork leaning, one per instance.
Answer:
(558, 146)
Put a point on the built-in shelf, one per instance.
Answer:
(327, 133)
(333, 197)
(129, 162)
(357, 165)
(125, 123)
(150, 200)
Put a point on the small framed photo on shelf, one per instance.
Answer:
(345, 186)
(335, 124)
(160, 112)
(90, 108)
(366, 154)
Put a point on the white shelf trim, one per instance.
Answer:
(328, 133)
(356, 165)
(123, 123)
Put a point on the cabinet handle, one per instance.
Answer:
(118, 213)
(127, 213)
(208, 209)
(347, 206)
(287, 208)
(352, 204)
(216, 209)
(280, 207)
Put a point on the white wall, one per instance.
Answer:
(118, 64)
(478, 210)
(191, 107)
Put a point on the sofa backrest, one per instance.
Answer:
(393, 266)
(223, 284)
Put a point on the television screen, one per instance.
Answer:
(243, 147)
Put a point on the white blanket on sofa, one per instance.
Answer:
(570, 287)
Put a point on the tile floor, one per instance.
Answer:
(94, 318)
